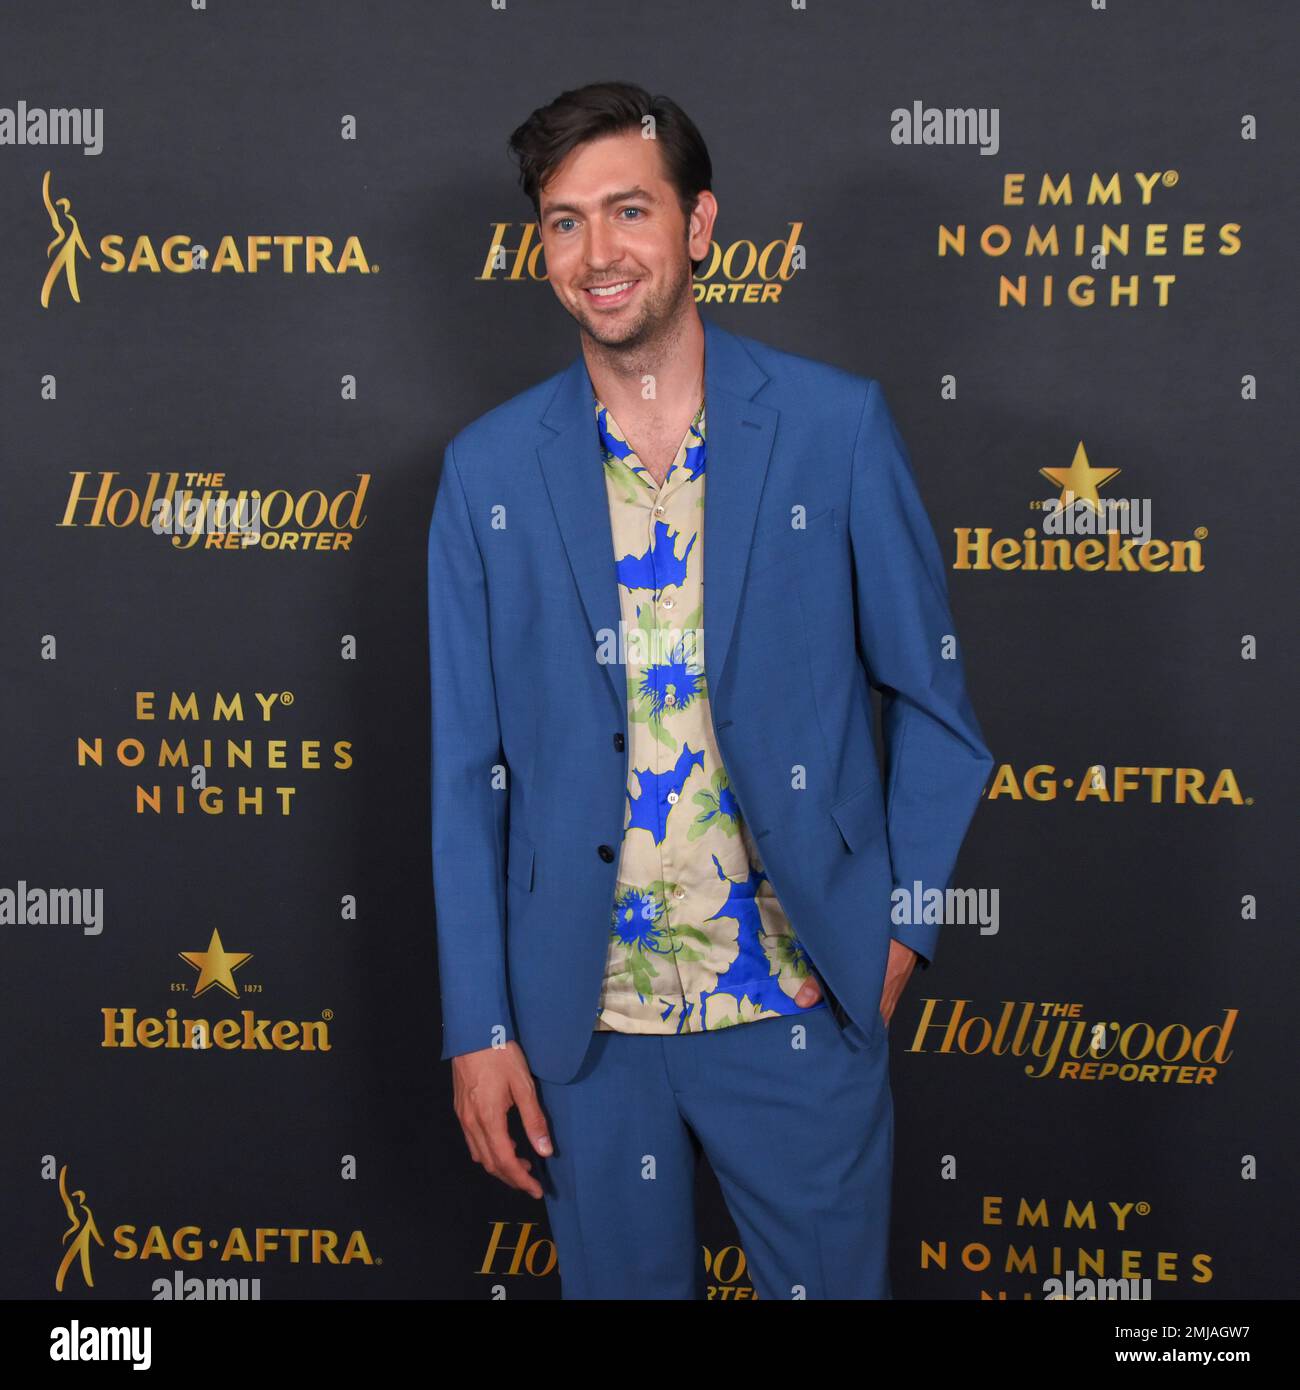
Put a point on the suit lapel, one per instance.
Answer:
(574, 474)
(740, 435)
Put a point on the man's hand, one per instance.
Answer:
(487, 1084)
(809, 992)
(898, 970)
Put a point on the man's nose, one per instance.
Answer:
(602, 244)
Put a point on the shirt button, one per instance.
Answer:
(667, 603)
(605, 853)
(672, 798)
(660, 509)
(670, 698)
(679, 892)
(618, 743)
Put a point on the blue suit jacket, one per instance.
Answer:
(530, 729)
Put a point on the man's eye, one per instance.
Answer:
(636, 212)
(562, 224)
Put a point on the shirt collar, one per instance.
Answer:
(611, 437)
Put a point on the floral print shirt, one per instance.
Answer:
(697, 939)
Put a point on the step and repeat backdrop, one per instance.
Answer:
(277, 251)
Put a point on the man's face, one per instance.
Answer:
(618, 245)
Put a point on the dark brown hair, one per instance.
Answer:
(554, 131)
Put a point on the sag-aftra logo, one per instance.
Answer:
(193, 1244)
(179, 254)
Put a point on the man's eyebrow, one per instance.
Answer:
(622, 196)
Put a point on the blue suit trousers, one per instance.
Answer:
(796, 1119)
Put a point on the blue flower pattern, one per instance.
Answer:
(698, 940)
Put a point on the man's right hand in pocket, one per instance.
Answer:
(487, 1084)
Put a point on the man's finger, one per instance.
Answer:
(476, 1138)
(470, 1142)
(533, 1119)
(809, 992)
(506, 1160)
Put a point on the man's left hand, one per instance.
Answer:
(898, 970)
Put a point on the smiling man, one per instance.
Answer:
(663, 877)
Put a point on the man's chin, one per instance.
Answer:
(610, 335)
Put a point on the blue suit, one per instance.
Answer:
(522, 581)
(522, 590)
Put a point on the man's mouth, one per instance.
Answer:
(606, 295)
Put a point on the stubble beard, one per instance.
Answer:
(637, 347)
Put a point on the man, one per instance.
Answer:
(662, 876)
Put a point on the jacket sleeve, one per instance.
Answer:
(468, 812)
(936, 761)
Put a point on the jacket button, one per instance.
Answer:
(618, 743)
(605, 853)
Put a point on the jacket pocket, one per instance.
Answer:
(860, 816)
(782, 544)
(519, 861)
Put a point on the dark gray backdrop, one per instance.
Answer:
(228, 120)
